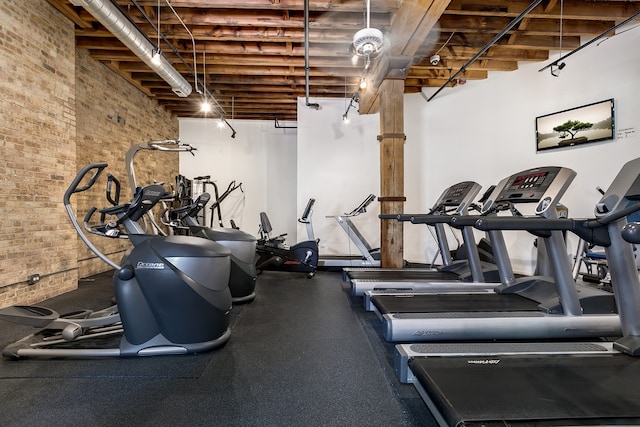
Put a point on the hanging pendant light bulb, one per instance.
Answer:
(205, 106)
(156, 54)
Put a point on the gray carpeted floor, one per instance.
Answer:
(303, 353)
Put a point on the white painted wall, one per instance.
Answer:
(338, 165)
(485, 130)
(482, 131)
(261, 157)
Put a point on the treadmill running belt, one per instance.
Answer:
(405, 274)
(441, 303)
(533, 388)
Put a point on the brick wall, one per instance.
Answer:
(57, 108)
(112, 115)
(37, 136)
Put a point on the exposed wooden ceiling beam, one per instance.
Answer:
(255, 54)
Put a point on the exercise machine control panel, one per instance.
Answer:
(543, 185)
(463, 192)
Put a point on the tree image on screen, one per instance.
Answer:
(572, 127)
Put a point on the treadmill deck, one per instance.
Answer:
(547, 390)
(446, 303)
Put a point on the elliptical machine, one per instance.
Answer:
(242, 279)
(243, 275)
(171, 291)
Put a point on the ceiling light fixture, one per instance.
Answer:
(345, 116)
(368, 41)
(486, 47)
(363, 83)
(156, 57)
(556, 68)
(206, 105)
(463, 79)
(558, 62)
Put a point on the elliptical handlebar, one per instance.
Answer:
(113, 180)
(73, 187)
(97, 169)
(163, 145)
(193, 209)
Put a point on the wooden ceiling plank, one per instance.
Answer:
(255, 47)
(71, 12)
(410, 27)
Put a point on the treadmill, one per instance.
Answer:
(523, 308)
(454, 201)
(369, 256)
(547, 383)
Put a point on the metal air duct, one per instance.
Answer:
(117, 23)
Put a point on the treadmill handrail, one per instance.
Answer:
(362, 207)
(432, 219)
(427, 218)
(592, 230)
(465, 221)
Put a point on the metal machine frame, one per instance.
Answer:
(592, 381)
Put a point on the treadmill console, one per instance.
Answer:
(458, 193)
(527, 187)
(623, 191)
(544, 185)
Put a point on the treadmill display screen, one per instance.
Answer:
(456, 193)
(528, 187)
(524, 182)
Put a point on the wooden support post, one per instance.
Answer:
(392, 139)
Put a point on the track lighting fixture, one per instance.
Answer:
(363, 83)
(156, 56)
(156, 53)
(463, 79)
(556, 68)
(345, 116)
(486, 47)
